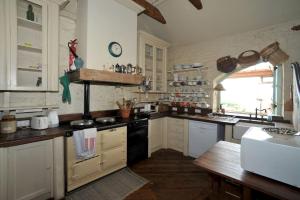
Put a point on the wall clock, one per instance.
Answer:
(115, 49)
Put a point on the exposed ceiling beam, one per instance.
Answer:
(151, 11)
(197, 4)
(256, 73)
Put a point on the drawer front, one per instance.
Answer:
(85, 168)
(113, 158)
(112, 138)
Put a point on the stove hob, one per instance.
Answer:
(282, 131)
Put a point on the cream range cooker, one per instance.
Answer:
(110, 155)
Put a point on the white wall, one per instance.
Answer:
(101, 22)
(209, 51)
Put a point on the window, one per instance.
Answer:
(257, 86)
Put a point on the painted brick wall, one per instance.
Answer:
(208, 52)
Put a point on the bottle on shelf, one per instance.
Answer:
(29, 13)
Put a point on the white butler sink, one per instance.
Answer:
(273, 155)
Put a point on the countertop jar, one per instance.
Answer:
(8, 124)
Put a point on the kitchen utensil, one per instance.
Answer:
(77, 61)
(274, 54)
(248, 60)
(8, 124)
(125, 113)
(53, 119)
(82, 124)
(129, 68)
(39, 122)
(226, 64)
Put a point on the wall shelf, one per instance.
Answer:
(188, 69)
(29, 69)
(29, 48)
(104, 77)
(29, 24)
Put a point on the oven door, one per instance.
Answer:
(137, 144)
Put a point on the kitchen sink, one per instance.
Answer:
(242, 126)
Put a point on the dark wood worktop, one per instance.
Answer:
(28, 135)
(229, 121)
(223, 160)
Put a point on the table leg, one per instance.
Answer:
(246, 193)
(215, 187)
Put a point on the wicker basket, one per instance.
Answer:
(274, 54)
(248, 60)
(226, 64)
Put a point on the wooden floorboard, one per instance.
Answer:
(172, 176)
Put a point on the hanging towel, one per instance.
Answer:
(66, 95)
(85, 143)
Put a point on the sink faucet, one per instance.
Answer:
(256, 110)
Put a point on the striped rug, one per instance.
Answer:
(115, 186)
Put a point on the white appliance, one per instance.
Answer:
(271, 152)
(53, 119)
(202, 136)
(39, 122)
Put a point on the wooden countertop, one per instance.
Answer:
(223, 159)
(219, 120)
(28, 135)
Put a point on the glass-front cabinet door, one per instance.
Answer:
(160, 70)
(152, 58)
(149, 63)
(28, 59)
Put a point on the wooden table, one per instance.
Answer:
(230, 181)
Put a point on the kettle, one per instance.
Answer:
(53, 119)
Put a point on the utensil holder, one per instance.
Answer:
(125, 113)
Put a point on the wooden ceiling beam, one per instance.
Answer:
(197, 4)
(151, 11)
(257, 73)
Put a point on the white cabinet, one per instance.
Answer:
(153, 60)
(155, 130)
(32, 171)
(177, 134)
(31, 47)
(202, 136)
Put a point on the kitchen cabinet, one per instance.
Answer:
(152, 57)
(32, 171)
(156, 134)
(31, 47)
(202, 136)
(111, 155)
(177, 134)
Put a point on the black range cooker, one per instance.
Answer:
(137, 140)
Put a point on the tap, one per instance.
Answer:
(256, 110)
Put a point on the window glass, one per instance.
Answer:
(249, 89)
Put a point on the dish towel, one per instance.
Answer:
(85, 143)
(66, 95)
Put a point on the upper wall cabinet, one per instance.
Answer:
(31, 47)
(153, 59)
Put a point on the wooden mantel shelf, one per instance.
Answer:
(104, 77)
